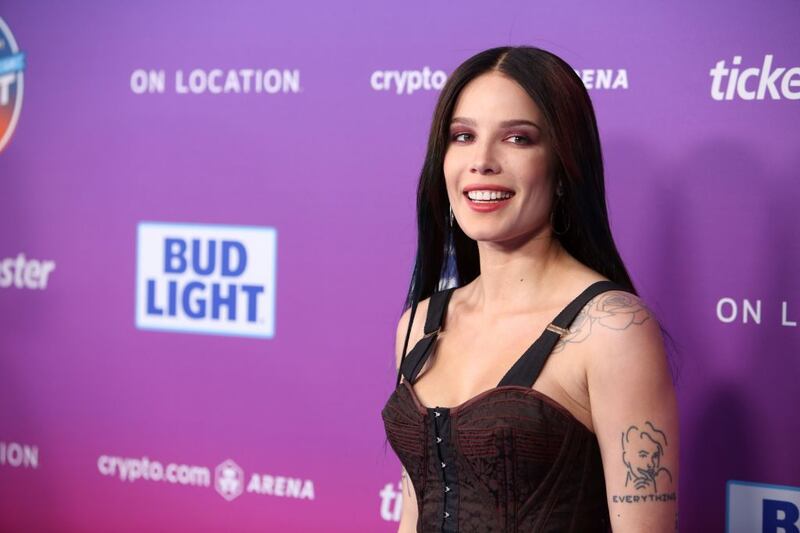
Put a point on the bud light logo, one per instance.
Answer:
(198, 278)
(762, 508)
(12, 64)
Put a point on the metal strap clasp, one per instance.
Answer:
(557, 329)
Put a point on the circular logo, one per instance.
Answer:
(229, 480)
(12, 63)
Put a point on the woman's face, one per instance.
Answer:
(498, 149)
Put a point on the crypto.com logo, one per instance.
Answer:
(229, 480)
(12, 63)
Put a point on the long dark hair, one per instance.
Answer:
(444, 255)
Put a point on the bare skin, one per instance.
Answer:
(610, 371)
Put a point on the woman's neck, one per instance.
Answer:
(515, 275)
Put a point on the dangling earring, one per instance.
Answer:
(559, 195)
(552, 224)
(451, 217)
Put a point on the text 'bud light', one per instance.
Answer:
(206, 278)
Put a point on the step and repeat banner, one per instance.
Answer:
(207, 229)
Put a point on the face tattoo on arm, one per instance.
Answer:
(642, 451)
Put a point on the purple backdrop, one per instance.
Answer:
(320, 148)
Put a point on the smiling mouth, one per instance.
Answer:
(488, 197)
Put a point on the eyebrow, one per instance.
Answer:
(504, 124)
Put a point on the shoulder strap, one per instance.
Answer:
(437, 308)
(527, 368)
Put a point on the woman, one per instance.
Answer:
(577, 430)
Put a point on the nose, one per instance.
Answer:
(484, 162)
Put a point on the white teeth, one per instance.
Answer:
(489, 195)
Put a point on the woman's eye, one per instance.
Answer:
(524, 139)
(456, 137)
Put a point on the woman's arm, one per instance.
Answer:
(635, 417)
(408, 516)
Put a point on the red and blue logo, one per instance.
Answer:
(12, 64)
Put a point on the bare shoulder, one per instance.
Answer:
(417, 329)
(613, 320)
(623, 322)
(626, 339)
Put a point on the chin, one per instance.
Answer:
(487, 236)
